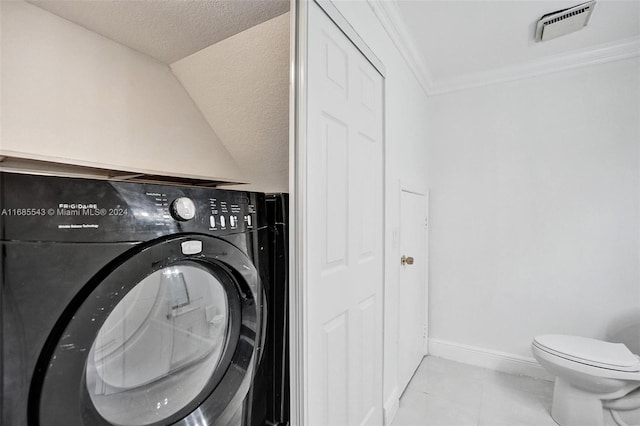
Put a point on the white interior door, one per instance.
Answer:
(344, 230)
(412, 284)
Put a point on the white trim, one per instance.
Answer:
(384, 255)
(297, 214)
(391, 406)
(427, 229)
(621, 49)
(390, 18)
(425, 343)
(387, 13)
(488, 358)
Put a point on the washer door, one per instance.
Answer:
(161, 337)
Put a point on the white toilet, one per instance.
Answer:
(594, 380)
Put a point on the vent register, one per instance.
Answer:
(564, 21)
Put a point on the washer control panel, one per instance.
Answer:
(202, 210)
(48, 208)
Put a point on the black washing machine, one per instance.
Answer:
(129, 303)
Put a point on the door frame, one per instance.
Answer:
(298, 300)
(418, 189)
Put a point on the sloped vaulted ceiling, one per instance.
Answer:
(241, 86)
(232, 57)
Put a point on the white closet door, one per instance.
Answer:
(344, 229)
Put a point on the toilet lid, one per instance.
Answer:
(614, 356)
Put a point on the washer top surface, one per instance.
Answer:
(614, 356)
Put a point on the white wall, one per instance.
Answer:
(405, 158)
(72, 96)
(535, 209)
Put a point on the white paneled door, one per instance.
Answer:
(344, 230)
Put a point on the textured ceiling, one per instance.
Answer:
(163, 29)
(241, 85)
(462, 38)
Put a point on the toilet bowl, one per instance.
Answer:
(594, 380)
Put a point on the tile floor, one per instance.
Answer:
(447, 393)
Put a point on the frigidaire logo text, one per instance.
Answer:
(77, 206)
(77, 209)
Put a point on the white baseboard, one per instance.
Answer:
(391, 406)
(488, 358)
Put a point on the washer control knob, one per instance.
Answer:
(183, 209)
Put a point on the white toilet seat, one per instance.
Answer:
(582, 367)
(589, 376)
(592, 352)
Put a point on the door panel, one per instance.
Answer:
(344, 188)
(333, 158)
(336, 365)
(412, 287)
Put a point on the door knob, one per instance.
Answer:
(406, 260)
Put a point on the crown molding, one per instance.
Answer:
(622, 49)
(387, 13)
(390, 18)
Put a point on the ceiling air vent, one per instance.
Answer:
(564, 21)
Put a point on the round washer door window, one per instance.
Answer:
(159, 347)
